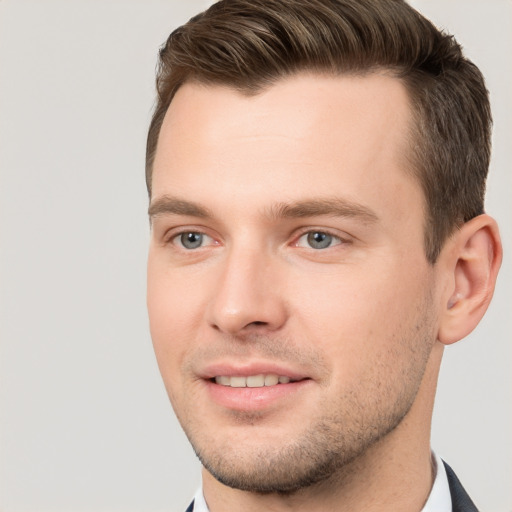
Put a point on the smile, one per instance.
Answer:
(254, 387)
(252, 381)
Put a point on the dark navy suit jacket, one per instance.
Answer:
(461, 502)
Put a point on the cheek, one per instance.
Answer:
(174, 297)
(168, 327)
(172, 311)
(360, 319)
(346, 298)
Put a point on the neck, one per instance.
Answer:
(395, 474)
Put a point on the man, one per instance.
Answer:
(316, 172)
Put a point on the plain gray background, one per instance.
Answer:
(85, 423)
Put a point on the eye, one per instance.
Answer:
(192, 240)
(318, 240)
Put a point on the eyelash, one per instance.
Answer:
(173, 238)
(335, 239)
(176, 238)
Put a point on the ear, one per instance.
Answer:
(472, 259)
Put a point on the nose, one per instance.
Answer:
(249, 295)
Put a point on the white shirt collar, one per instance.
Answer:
(199, 502)
(439, 499)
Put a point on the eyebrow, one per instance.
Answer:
(167, 205)
(334, 207)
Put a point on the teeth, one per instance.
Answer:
(256, 381)
(252, 381)
(223, 380)
(271, 380)
(238, 382)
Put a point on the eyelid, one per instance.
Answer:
(172, 234)
(343, 238)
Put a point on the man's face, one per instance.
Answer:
(287, 254)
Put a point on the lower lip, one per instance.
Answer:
(253, 399)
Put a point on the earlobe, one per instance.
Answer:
(474, 256)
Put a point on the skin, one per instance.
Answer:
(362, 321)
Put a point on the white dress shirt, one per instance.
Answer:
(439, 499)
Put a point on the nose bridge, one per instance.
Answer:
(247, 294)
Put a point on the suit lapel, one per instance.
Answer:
(461, 502)
(190, 508)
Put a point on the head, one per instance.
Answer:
(316, 172)
(249, 45)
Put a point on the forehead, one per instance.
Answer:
(331, 134)
(373, 98)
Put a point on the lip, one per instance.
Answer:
(247, 369)
(253, 399)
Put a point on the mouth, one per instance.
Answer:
(253, 381)
(254, 387)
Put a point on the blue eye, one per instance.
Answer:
(192, 239)
(318, 240)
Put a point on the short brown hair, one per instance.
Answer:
(249, 44)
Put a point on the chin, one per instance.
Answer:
(278, 465)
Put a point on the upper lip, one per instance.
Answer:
(236, 369)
